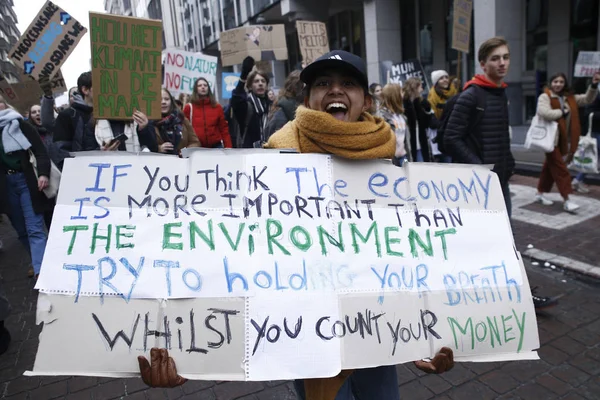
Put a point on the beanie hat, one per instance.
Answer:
(437, 75)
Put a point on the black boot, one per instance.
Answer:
(4, 338)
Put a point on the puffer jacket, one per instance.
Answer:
(489, 142)
(209, 123)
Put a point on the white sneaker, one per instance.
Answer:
(539, 198)
(579, 187)
(570, 207)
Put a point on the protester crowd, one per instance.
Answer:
(328, 107)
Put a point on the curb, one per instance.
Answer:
(534, 169)
(564, 263)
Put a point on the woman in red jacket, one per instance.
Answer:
(207, 117)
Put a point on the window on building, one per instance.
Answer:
(408, 18)
(229, 14)
(584, 33)
(260, 5)
(537, 35)
(345, 32)
(207, 30)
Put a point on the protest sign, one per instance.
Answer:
(21, 95)
(399, 72)
(588, 63)
(313, 40)
(126, 66)
(7, 91)
(277, 266)
(47, 42)
(262, 42)
(461, 26)
(57, 82)
(182, 68)
(229, 81)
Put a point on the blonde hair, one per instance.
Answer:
(391, 98)
(411, 87)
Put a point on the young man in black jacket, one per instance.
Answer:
(480, 135)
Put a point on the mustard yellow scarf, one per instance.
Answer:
(318, 132)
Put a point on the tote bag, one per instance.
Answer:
(53, 180)
(541, 135)
(585, 158)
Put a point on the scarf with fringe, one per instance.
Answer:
(319, 132)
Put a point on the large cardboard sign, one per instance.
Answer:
(47, 42)
(57, 81)
(313, 40)
(21, 95)
(255, 265)
(399, 72)
(262, 42)
(588, 63)
(126, 66)
(461, 26)
(182, 68)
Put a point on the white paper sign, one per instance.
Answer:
(588, 63)
(321, 263)
(182, 68)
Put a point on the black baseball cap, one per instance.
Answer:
(337, 59)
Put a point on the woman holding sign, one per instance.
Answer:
(173, 132)
(334, 120)
(207, 117)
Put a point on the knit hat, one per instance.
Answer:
(437, 75)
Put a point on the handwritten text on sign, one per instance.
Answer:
(182, 68)
(126, 66)
(383, 259)
(313, 40)
(47, 43)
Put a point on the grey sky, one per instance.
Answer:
(79, 61)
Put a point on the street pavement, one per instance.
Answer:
(569, 333)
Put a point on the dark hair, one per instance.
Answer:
(252, 76)
(173, 105)
(84, 80)
(179, 103)
(566, 89)
(292, 89)
(489, 46)
(372, 87)
(195, 99)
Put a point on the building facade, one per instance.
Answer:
(9, 35)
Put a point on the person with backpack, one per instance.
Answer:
(207, 117)
(477, 129)
(75, 128)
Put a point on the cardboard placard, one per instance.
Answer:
(182, 68)
(126, 66)
(399, 72)
(313, 40)
(588, 63)
(229, 81)
(262, 42)
(279, 266)
(461, 27)
(47, 42)
(21, 95)
(57, 81)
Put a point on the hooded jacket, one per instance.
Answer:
(209, 123)
(489, 142)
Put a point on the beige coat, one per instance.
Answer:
(545, 110)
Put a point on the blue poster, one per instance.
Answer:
(228, 82)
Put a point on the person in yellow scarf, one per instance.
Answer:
(441, 90)
(333, 120)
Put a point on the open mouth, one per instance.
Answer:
(337, 110)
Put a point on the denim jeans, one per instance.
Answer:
(419, 156)
(365, 384)
(30, 226)
(581, 176)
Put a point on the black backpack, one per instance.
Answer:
(477, 115)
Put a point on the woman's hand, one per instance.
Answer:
(442, 362)
(42, 182)
(166, 147)
(162, 373)
(110, 147)
(140, 118)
